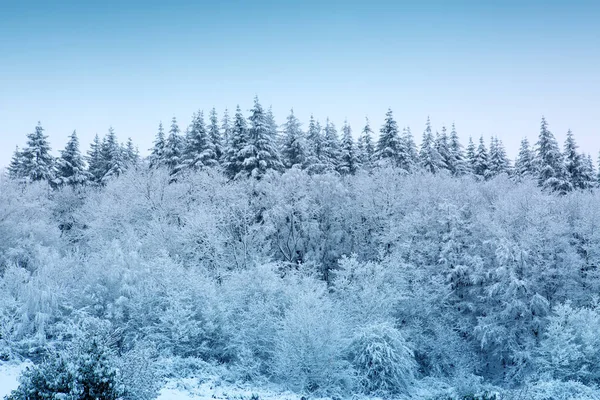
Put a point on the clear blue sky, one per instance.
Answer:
(493, 67)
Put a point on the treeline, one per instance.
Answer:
(251, 146)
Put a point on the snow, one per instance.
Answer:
(9, 377)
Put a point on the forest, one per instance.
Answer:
(297, 259)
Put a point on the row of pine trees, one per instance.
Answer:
(250, 147)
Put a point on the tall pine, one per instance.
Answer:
(349, 162)
(37, 162)
(70, 166)
(293, 150)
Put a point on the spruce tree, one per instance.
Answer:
(573, 163)
(238, 139)
(260, 154)
(330, 151)
(498, 161)
(525, 164)
(38, 163)
(588, 173)
(94, 161)
(314, 146)
(173, 150)
(199, 151)
(389, 146)
(429, 158)
(112, 156)
(442, 145)
(470, 155)
(215, 134)
(460, 165)
(225, 130)
(349, 162)
(549, 160)
(481, 166)
(294, 146)
(70, 165)
(158, 150)
(15, 168)
(412, 154)
(365, 147)
(132, 154)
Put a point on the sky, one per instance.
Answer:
(491, 67)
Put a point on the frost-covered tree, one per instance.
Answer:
(158, 150)
(390, 149)
(215, 134)
(225, 130)
(330, 150)
(442, 145)
(94, 160)
(364, 146)
(481, 162)
(173, 150)
(458, 165)
(237, 142)
(260, 154)
(15, 168)
(588, 172)
(412, 154)
(429, 157)
(314, 146)
(470, 154)
(549, 161)
(573, 163)
(525, 163)
(37, 162)
(112, 156)
(132, 154)
(70, 166)
(349, 162)
(498, 161)
(293, 151)
(199, 151)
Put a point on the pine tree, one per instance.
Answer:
(549, 160)
(132, 154)
(225, 130)
(412, 153)
(330, 150)
(442, 145)
(112, 157)
(260, 154)
(157, 152)
(588, 173)
(199, 151)
(498, 161)
(215, 134)
(70, 165)
(314, 146)
(94, 161)
(574, 163)
(236, 143)
(294, 146)
(481, 166)
(349, 162)
(390, 149)
(15, 168)
(173, 150)
(460, 165)
(37, 162)
(525, 164)
(470, 155)
(365, 147)
(429, 158)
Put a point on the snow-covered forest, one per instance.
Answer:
(297, 258)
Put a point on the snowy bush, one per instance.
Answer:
(383, 360)
(139, 374)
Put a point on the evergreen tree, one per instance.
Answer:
(200, 151)
(15, 168)
(588, 173)
(260, 153)
(412, 154)
(481, 166)
(112, 157)
(365, 147)
(294, 146)
(429, 158)
(549, 160)
(225, 130)
(349, 162)
(238, 139)
(157, 152)
(574, 163)
(498, 161)
(470, 155)
(525, 164)
(70, 165)
(390, 149)
(173, 150)
(459, 165)
(215, 134)
(314, 146)
(330, 151)
(37, 162)
(132, 154)
(94, 161)
(442, 145)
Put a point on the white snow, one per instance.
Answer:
(9, 377)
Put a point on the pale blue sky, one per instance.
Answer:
(493, 67)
